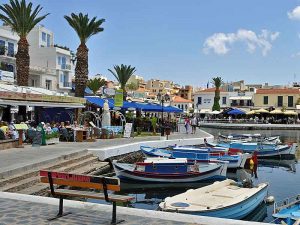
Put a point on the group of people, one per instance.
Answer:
(191, 122)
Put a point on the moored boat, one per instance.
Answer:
(287, 211)
(226, 199)
(197, 154)
(263, 150)
(164, 170)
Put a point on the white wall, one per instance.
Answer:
(208, 100)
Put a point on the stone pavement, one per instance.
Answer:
(12, 159)
(29, 213)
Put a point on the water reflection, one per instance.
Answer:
(290, 165)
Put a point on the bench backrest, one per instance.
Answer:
(82, 181)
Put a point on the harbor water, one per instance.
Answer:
(282, 175)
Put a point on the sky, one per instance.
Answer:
(188, 41)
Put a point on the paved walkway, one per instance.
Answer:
(29, 213)
(15, 158)
(31, 210)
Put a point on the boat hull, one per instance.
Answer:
(237, 211)
(124, 172)
(234, 161)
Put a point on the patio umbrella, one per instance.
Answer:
(236, 112)
(290, 113)
(261, 110)
(276, 111)
(215, 112)
(251, 112)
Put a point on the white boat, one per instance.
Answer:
(164, 170)
(225, 199)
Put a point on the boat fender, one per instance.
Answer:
(270, 199)
(207, 207)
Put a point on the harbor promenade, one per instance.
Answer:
(16, 160)
(32, 210)
(245, 126)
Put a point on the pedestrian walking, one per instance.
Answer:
(187, 123)
(194, 125)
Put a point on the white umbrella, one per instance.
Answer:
(276, 111)
(290, 112)
(215, 112)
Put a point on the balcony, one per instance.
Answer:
(65, 85)
(65, 67)
(248, 104)
(42, 70)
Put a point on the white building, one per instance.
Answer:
(204, 100)
(8, 50)
(50, 67)
(182, 103)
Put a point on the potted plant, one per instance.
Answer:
(52, 138)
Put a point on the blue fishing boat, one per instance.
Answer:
(263, 150)
(197, 154)
(164, 170)
(225, 199)
(287, 211)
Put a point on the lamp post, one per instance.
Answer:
(162, 98)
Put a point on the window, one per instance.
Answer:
(63, 62)
(44, 36)
(59, 60)
(266, 100)
(199, 101)
(48, 84)
(2, 47)
(290, 101)
(280, 101)
(33, 83)
(224, 100)
(48, 40)
(185, 106)
(10, 49)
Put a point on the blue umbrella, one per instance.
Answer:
(236, 112)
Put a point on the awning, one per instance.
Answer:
(240, 98)
(42, 104)
(147, 107)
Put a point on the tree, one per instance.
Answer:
(85, 28)
(122, 74)
(217, 81)
(132, 86)
(22, 18)
(95, 84)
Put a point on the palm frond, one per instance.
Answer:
(83, 26)
(20, 16)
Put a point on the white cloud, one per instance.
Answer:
(220, 43)
(294, 14)
(295, 55)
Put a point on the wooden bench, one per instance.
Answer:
(87, 182)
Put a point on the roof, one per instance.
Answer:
(278, 91)
(211, 90)
(180, 99)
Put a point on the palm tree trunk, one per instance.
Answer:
(22, 62)
(81, 70)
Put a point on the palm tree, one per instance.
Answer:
(85, 28)
(95, 84)
(122, 74)
(22, 18)
(217, 81)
